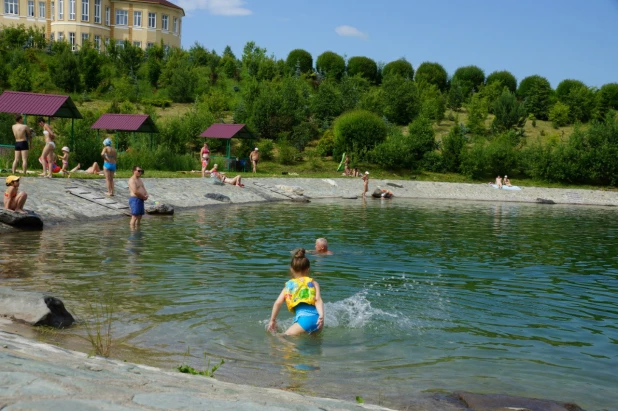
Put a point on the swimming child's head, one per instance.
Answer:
(299, 264)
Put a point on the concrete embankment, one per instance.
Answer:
(52, 201)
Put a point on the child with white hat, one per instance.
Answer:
(65, 161)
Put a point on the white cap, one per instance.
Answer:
(366, 172)
(257, 149)
(505, 176)
(65, 148)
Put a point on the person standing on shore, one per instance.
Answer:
(109, 165)
(46, 158)
(499, 181)
(365, 183)
(137, 197)
(254, 157)
(205, 156)
(22, 134)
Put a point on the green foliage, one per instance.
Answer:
(364, 66)
(432, 73)
(401, 68)
(477, 114)
(252, 58)
(330, 65)
(302, 134)
(326, 144)
(470, 78)
(287, 153)
(266, 149)
(358, 132)
(352, 90)
(406, 151)
(456, 95)
(505, 78)
(299, 59)
(433, 103)
(183, 83)
(19, 79)
(578, 97)
(509, 113)
(65, 71)
(565, 87)
(90, 62)
(157, 102)
(401, 100)
(487, 159)
(452, 147)
(491, 92)
(536, 93)
(373, 100)
(207, 372)
(422, 137)
(327, 103)
(560, 115)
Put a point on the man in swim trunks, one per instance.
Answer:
(254, 157)
(137, 197)
(22, 134)
(365, 183)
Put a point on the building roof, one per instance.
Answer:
(227, 131)
(163, 3)
(141, 123)
(50, 105)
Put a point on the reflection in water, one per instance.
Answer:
(418, 295)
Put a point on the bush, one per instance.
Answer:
(330, 65)
(432, 73)
(266, 148)
(363, 66)
(327, 103)
(287, 153)
(161, 158)
(299, 59)
(19, 79)
(358, 132)
(433, 103)
(470, 78)
(433, 161)
(505, 78)
(406, 151)
(400, 67)
(477, 114)
(580, 100)
(157, 102)
(326, 144)
(452, 146)
(373, 100)
(559, 115)
(422, 137)
(183, 83)
(303, 134)
(456, 95)
(509, 113)
(401, 101)
(536, 93)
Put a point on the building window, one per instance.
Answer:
(84, 38)
(97, 42)
(122, 17)
(85, 10)
(149, 45)
(152, 20)
(165, 22)
(53, 11)
(71, 9)
(60, 9)
(137, 44)
(11, 7)
(30, 8)
(137, 19)
(41, 10)
(120, 44)
(175, 24)
(72, 41)
(97, 11)
(108, 14)
(51, 37)
(60, 36)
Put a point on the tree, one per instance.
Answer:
(470, 77)
(452, 146)
(183, 84)
(358, 132)
(432, 73)
(535, 91)
(559, 115)
(607, 99)
(456, 95)
(433, 103)
(299, 58)
(130, 58)
(509, 113)
(400, 67)
(422, 137)
(477, 114)
(505, 77)
(90, 63)
(364, 66)
(65, 71)
(19, 79)
(401, 102)
(330, 65)
(578, 97)
(327, 103)
(252, 57)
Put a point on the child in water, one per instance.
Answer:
(302, 297)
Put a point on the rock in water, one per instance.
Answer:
(394, 185)
(34, 308)
(545, 201)
(160, 209)
(218, 197)
(292, 189)
(30, 221)
(507, 402)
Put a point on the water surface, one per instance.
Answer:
(421, 296)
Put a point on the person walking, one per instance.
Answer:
(22, 134)
(254, 157)
(205, 156)
(47, 157)
(138, 195)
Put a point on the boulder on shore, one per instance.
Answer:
(491, 402)
(29, 221)
(292, 189)
(160, 209)
(218, 197)
(34, 308)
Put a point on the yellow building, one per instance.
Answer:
(140, 22)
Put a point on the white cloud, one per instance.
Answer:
(217, 7)
(349, 31)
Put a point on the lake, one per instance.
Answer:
(421, 297)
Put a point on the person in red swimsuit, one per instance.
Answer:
(205, 156)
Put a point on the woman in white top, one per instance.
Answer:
(46, 159)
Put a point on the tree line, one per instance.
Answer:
(378, 113)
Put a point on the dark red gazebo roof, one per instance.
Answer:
(141, 123)
(227, 131)
(49, 105)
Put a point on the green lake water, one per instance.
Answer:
(420, 296)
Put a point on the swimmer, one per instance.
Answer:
(302, 297)
(321, 247)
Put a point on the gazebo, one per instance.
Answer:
(44, 105)
(227, 132)
(137, 123)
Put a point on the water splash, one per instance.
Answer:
(357, 312)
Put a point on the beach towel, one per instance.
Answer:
(512, 188)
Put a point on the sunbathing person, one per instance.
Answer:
(236, 181)
(93, 169)
(506, 181)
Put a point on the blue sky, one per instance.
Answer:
(557, 39)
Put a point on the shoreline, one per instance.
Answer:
(55, 205)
